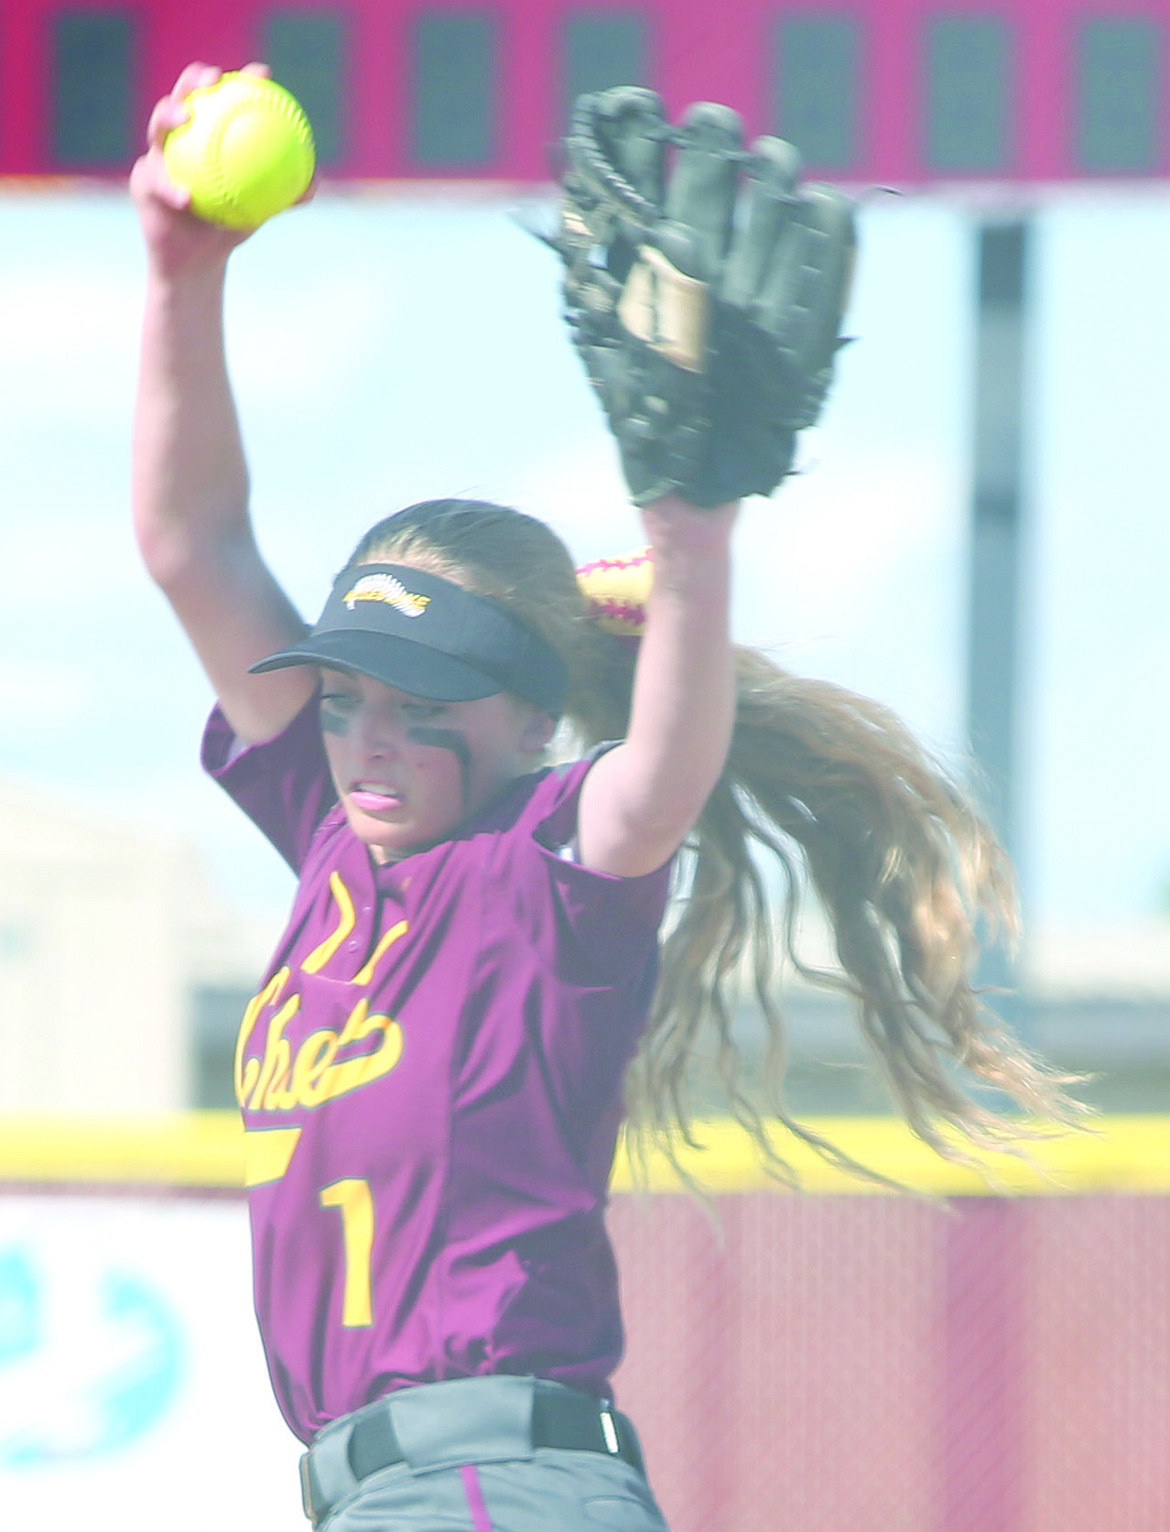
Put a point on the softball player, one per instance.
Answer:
(435, 1067)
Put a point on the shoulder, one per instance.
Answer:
(541, 808)
(225, 756)
(561, 905)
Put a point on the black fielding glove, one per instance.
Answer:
(704, 290)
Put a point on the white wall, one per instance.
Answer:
(104, 926)
(133, 1392)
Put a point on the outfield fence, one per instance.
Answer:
(846, 1358)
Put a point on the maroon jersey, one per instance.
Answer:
(430, 1077)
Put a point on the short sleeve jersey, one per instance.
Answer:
(430, 1077)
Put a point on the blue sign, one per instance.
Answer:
(88, 1365)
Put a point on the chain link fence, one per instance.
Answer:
(887, 1364)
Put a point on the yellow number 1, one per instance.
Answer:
(357, 1230)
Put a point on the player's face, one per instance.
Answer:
(407, 770)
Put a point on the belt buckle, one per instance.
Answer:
(609, 1432)
(307, 1490)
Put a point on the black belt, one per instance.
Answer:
(561, 1417)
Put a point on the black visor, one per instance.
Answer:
(429, 637)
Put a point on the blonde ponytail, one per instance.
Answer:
(826, 791)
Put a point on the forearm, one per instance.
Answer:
(683, 704)
(642, 799)
(189, 478)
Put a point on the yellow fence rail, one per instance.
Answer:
(206, 1150)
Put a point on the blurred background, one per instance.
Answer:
(978, 537)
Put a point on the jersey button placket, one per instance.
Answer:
(363, 934)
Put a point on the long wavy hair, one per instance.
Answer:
(830, 791)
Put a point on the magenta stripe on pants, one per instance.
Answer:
(480, 1520)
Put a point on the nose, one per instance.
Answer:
(378, 733)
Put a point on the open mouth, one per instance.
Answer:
(375, 797)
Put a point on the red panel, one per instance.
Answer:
(378, 107)
(24, 93)
(1097, 1364)
(834, 1363)
(1045, 32)
(530, 103)
(223, 32)
(711, 53)
(979, 1440)
(891, 114)
(698, 51)
(783, 1371)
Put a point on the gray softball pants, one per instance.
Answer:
(472, 1456)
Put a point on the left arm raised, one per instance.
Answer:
(642, 798)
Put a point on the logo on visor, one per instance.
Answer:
(384, 587)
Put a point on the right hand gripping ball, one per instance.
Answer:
(244, 153)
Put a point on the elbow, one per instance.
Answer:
(177, 560)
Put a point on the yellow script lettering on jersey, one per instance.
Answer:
(280, 1080)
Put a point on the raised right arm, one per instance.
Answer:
(189, 475)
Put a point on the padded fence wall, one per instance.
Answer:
(845, 1359)
(842, 1364)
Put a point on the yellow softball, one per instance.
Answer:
(617, 591)
(244, 153)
